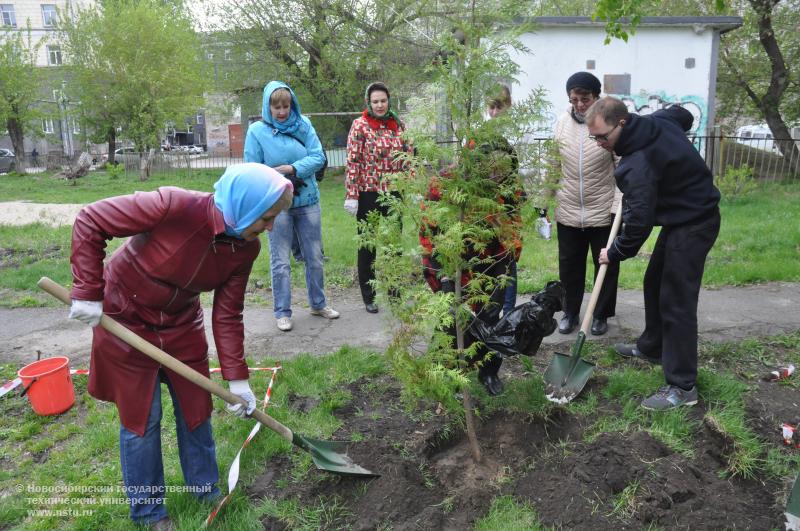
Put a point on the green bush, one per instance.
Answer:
(736, 182)
(115, 171)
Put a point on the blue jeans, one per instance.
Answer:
(306, 222)
(143, 469)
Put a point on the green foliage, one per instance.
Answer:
(115, 171)
(736, 182)
(475, 205)
(20, 80)
(327, 51)
(134, 65)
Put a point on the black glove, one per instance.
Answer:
(448, 286)
(542, 212)
(297, 183)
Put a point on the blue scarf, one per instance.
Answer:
(292, 123)
(245, 192)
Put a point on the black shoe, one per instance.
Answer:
(599, 326)
(492, 383)
(567, 324)
(372, 307)
(630, 351)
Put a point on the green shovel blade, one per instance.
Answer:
(567, 375)
(793, 507)
(331, 456)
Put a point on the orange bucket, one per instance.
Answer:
(48, 385)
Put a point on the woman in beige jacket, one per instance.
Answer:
(586, 199)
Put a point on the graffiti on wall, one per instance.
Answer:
(645, 104)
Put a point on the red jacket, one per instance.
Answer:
(152, 286)
(372, 147)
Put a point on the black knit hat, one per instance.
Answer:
(584, 80)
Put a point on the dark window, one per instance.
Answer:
(689, 62)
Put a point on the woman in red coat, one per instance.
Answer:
(182, 243)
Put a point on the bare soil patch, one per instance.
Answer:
(618, 480)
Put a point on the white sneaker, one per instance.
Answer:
(327, 312)
(284, 324)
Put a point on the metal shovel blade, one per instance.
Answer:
(567, 375)
(331, 456)
(793, 508)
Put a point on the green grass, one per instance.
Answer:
(79, 450)
(758, 240)
(508, 514)
(720, 390)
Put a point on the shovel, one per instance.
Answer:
(793, 508)
(326, 454)
(567, 375)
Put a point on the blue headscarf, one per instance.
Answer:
(293, 121)
(245, 192)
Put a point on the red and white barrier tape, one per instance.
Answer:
(13, 384)
(10, 386)
(233, 471)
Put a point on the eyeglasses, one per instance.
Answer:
(603, 138)
(586, 100)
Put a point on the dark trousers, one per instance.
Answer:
(573, 245)
(367, 202)
(510, 297)
(671, 289)
(489, 313)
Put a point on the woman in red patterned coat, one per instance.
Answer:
(182, 243)
(496, 255)
(373, 144)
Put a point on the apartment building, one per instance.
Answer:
(60, 130)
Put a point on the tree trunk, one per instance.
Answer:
(145, 164)
(17, 142)
(111, 136)
(770, 102)
(467, 400)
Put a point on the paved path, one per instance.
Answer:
(724, 315)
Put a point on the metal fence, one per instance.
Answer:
(761, 156)
(721, 153)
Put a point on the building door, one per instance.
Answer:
(236, 140)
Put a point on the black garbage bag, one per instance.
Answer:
(521, 330)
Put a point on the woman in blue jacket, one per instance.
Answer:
(286, 141)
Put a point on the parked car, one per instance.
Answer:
(196, 150)
(7, 160)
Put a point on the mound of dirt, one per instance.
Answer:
(429, 481)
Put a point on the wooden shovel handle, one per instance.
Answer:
(601, 274)
(148, 349)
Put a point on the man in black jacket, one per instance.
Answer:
(665, 183)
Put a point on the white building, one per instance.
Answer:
(42, 18)
(59, 127)
(667, 60)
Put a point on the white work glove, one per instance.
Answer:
(351, 206)
(88, 312)
(543, 227)
(242, 389)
